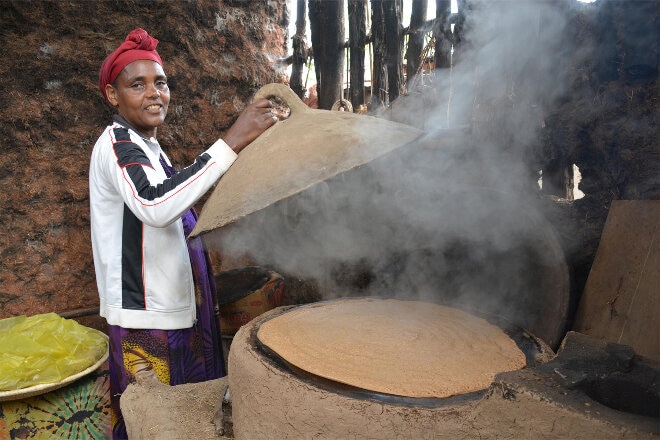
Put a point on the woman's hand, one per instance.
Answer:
(252, 121)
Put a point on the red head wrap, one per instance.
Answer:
(139, 45)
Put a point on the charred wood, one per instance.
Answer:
(300, 52)
(388, 59)
(416, 39)
(357, 36)
(442, 32)
(327, 28)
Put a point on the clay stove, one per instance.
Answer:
(591, 389)
(556, 399)
(271, 398)
(577, 394)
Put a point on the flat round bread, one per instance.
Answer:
(404, 348)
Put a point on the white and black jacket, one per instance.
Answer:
(143, 271)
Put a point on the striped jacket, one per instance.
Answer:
(143, 271)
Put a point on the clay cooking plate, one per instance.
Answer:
(401, 348)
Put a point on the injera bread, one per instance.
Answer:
(403, 348)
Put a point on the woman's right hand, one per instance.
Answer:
(256, 118)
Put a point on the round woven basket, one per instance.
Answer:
(44, 388)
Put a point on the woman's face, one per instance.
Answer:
(141, 95)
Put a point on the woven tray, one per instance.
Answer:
(47, 387)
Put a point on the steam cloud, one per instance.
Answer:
(449, 219)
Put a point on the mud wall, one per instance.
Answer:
(216, 54)
(608, 122)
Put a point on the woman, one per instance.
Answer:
(156, 291)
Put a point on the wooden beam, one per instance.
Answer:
(299, 50)
(327, 28)
(415, 39)
(357, 36)
(386, 31)
(442, 42)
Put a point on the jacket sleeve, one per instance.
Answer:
(155, 199)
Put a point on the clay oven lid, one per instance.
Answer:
(309, 147)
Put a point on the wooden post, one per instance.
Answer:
(299, 50)
(558, 180)
(442, 42)
(388, 58)
(394, 47)
(459, 22)
(357, 36)
(378, 78)
(415, 40)
(326, 20)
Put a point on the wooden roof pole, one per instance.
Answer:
(299, 49)
(326, 20)
(357, 37)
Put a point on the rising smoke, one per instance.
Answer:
(451, 219)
